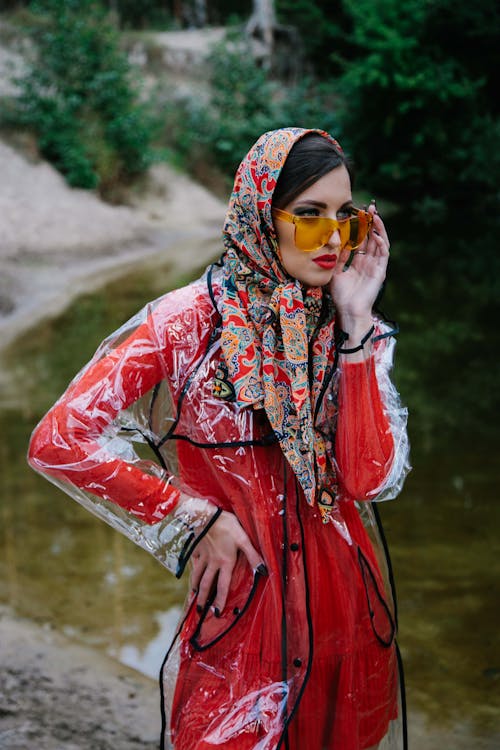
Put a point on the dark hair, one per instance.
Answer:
(309, 159)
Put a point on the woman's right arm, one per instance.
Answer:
(81, 444)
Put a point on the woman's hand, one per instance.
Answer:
(215, 557)
(355, 289)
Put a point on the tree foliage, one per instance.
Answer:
(244, 103)
(418, 96)
(79, 97)
(420, 115)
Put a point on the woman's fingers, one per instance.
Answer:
(215, 557)
(342, 259)
(206, 585)
(245, 545)
(223, 583)
(379, 234)
(197, 570)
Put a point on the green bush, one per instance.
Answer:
(243, 103)
(79, 97)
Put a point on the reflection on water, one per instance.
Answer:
(147, 660)
(62, 565)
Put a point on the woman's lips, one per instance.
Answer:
(326, 261)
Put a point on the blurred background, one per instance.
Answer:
(109, 92)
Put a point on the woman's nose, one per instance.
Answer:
(334, 240)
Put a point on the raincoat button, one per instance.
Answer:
(236, 611)
(294, 546)
(297, 662)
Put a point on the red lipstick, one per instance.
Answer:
(326, 261)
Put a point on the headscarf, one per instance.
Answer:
(272, 355)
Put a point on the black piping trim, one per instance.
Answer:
(209, 283)
(164, 664)
(170, 435)
(392, 584)
(151, 405)
(154, 447)
(213, 335)
(326, 383)
(192, 542)
(266, 440)
(386, 335)
(403, 697)
(365, 566)
(156, 390)
(194, 638)
(388, 560)
(309, 620)
(185, 387)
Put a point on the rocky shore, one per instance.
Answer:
(55, 695)
(57, 242)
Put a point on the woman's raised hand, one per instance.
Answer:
(355, 289)
(215, 556)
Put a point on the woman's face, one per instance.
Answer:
(330, 197)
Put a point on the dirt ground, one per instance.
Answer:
(55, 695)
(57, 242)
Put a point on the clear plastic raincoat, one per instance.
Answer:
(154, 437)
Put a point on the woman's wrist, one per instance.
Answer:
(354, 323)
(354, 337)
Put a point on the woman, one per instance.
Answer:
(263, 392)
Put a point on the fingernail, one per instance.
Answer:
(216, 611)
(262, 570)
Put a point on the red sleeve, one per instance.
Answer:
(363, 444)
(66, 443)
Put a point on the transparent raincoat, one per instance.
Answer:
(305, 655)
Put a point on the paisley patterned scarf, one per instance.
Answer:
(277, 337)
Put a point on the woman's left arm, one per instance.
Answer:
(371, 447)
(355, 288)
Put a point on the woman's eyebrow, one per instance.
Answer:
(320, 204)
(305, 202)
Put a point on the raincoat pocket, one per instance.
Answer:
(211, 629)
(382, 621)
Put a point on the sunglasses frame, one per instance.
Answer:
(335, 225)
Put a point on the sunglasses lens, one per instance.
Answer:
(312, 232)
(359, 226)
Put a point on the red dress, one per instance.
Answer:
(304, 657)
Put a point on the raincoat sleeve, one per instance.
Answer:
(371, 442)
(88, 442)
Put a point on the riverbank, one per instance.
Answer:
(56, 695)
(58, 242)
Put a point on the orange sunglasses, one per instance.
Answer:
(312, 232)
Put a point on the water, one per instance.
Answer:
(61, 565)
